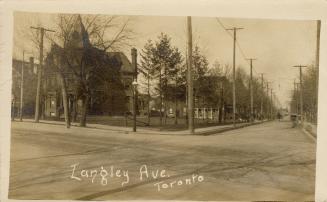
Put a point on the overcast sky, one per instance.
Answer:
(277, 44)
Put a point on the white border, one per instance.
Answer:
(272, 9)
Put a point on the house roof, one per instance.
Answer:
(80, 39)
(126, 66)
(121, 58)
(80, 36)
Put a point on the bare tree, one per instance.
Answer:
(85, 40)
(54, 60)
(107, 33)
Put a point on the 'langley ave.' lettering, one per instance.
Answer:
(102, 173)
(145, 173)
(103, 176)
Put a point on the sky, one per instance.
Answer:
(277, 45)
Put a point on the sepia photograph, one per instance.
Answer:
(141, 107)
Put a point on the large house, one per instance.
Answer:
(111, 95)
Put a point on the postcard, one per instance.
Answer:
(142, 100)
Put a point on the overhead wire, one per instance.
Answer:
(237, 43)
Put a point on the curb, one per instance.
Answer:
(201, 133)
(182, 133)
(309, 135)
(212, 132)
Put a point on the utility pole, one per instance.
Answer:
(22, 91)
(298, 97)
(39, 72)
(134, 63)
(295, 97)
(317, 67)
(318, 47)
(261, 104)
(301, 92)
(271, 103)
(251, 89)
(234, 61)
(190, 103)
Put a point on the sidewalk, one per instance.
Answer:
(148, 130)
(310, 129)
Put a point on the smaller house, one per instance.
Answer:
(30, 82)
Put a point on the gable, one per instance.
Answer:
(122, 60)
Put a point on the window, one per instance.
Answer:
(52, 102)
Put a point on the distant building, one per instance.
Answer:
(30, 71)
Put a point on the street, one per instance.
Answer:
(269, 161)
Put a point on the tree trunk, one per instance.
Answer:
(176, 118)
(222, 106)
(160, 98)
(165, 109)
(165, 94)
(220, 110)
(149, 111)
(13, 109)
(186, 107)
(42, 107)
(84, 111)
(74, 114)
(65, 100)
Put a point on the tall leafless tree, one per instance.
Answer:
(85, 40)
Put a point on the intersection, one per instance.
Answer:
(268, 161)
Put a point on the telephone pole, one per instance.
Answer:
(301, 92)
(261, 104)
(234, 60)
(251, 89)
(318, 47)
(271, 103)
(22, 91)
(190, 104)
(134, 64)
(39, 72)
(295, 97)
(317, 68)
